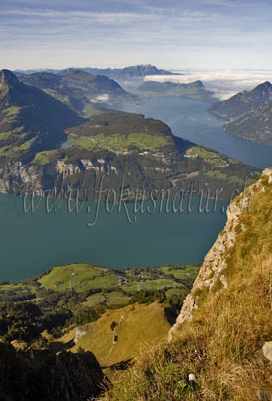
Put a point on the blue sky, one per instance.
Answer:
(172, 34)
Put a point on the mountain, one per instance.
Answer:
(135, 71)
(223, 334)
(121, 149)
(250, 114)
(81, 91)
(243, 102)
(30, 120)
(126, 151)
(194, 90)
(256, 125)
(129, 76)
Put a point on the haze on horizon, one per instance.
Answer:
(211, 34)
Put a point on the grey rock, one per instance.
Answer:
(267, 350)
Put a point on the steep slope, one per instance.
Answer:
(80, 90)
(119, 335)
(243, 102)
(224, 322)
(41, 375)
(256, 125)
(194, 90)
(30, 120)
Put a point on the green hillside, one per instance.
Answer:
(83, 92)
(45, 146)
(119, 335)
(78, 293)
(30, 120)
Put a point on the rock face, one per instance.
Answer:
(80, 332)
(212, 270)
(15, 174)
(267, 350)
(41, 375)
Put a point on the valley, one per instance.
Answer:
(104, 185)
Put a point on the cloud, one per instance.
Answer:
(223, 84)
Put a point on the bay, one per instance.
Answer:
(190, 119)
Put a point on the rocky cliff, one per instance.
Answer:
(211, 274)
(41, 375)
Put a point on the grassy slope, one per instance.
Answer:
(222, 345)
(80, 277)
(120, 143)
(137, 326)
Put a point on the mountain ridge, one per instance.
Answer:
(249, 114)
(193, 90)
(80, 90)
(243, 102)
(26, 119)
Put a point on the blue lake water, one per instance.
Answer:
(190, 120)
(32, 242)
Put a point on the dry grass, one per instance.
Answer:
(222, 345)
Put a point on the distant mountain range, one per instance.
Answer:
(193, 90)
(130, 72)
(250, 114)
(46, 145)
(81, 91)
(135, 71)
(130, 77)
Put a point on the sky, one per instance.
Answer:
(172, 34)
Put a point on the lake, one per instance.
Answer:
(33, 241)
(189, 119)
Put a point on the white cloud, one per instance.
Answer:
(224, 84)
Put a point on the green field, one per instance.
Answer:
(102, 286)
(43, 158)
(196, 151)
(118, 142)
(150, 285)
(79, 277)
